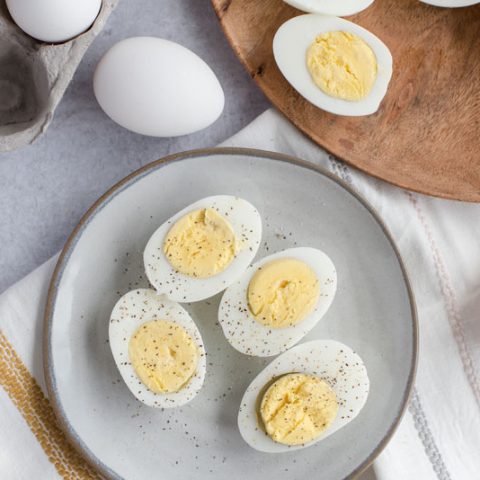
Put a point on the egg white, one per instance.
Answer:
(451, 3)
(250, 337)
(134, 309)
(331, 7)
(290, 46)
(329, 360)
(247, 225)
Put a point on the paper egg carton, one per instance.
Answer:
(34, 76)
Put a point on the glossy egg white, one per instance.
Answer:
(329, 360)
(250, 337)
(290, 46)
(247, 225)
(54, 21)
(451, 3)
(329, 7)
(157, 87)
(134, 309)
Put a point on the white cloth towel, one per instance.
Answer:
(439, 240)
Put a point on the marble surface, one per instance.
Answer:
(46, 187)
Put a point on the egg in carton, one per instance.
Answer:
(34, 76)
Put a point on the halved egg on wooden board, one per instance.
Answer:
(303, 396)
(335, 64)
(331, 7)
(451, 3)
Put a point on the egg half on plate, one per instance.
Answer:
(303, 396)
(329, 7)
(277, 301)
(204, 248)
(335, 64)
(157, 348)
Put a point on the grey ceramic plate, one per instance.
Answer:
(373, 312)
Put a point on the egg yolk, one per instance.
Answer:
(282, 293)
(342, 65)
(297, 408)
(163, 355)
(201, 244)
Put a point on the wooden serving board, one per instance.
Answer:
(426, 135)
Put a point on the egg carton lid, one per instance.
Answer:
(34, 76)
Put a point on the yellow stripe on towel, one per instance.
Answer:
(35, 408)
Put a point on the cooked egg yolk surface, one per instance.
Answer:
(342, 65)
(201, 244)
(297, 408)
(282, 293)
(163, 355)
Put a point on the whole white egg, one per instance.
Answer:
(131, 311)
(54, 21)
(327, 7)
(246, 224)
(333, 362)
(157, 87)
(290, 46)
(250, 337)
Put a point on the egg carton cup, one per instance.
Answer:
(34, 76)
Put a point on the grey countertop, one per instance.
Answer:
(46, 187)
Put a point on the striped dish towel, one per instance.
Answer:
(439, 437)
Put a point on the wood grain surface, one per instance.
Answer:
(426, 134)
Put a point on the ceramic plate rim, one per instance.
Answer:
(98, 205)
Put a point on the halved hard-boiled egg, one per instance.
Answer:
(157, 348)
(204, 248)
(451, 3)
(335, 64)
(329, 7)
(277, 301)
(303, 396)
